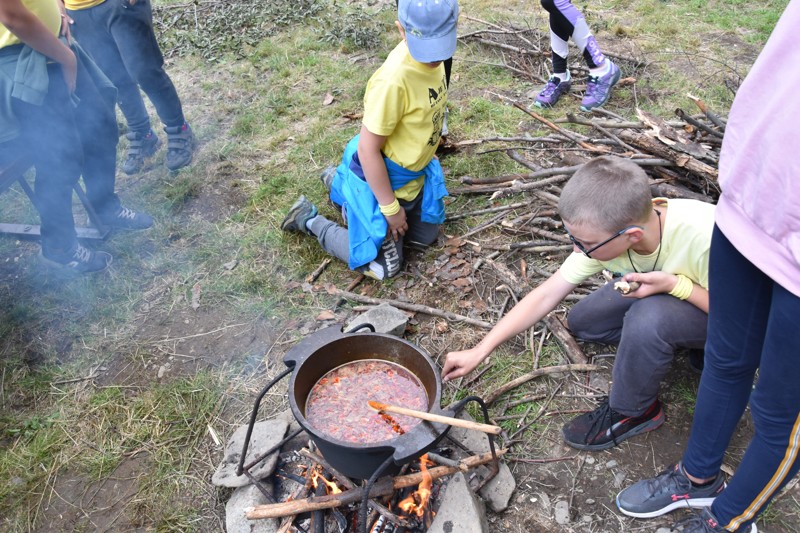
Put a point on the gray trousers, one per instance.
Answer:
(647, 331)
(334, 240)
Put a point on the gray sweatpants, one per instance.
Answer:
(647, 332)
(334, 240)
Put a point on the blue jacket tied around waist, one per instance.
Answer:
(366, 225)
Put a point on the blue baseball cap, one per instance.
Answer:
(430, 27)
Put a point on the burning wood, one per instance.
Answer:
(383, 487)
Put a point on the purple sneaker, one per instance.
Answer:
(598, 88)
(552, 92)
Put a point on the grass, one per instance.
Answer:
(255, 100)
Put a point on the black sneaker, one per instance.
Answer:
(706, 522)
(180, 145)
(669, 490)
(697, 360)
(604, 428)
(78, 259)
(139, 147)
(298, 215)
(128, 219)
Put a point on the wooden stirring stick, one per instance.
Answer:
(430, 417)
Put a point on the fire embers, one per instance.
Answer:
(418, 501)
(317, 477)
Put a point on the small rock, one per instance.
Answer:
(561, 512)
(611, 464)
(586, 519)
(619, 479)
(663, 530)
(265, 435)
(242, 499)
(590, 501)
(385, 318)
(497, 492)
(590, 460)
(161, 371)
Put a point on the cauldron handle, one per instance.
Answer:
(362, 326)
(240, 468)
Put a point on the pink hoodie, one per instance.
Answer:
(759, 211)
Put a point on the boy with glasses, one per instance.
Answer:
(616, 225)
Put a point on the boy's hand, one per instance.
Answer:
(650, 283)
(397, 224)
(461, 363)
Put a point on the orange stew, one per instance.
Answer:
(337, 404)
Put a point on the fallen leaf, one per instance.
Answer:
(462, 282)
(442, 327)
(328, 100)
(325, 315)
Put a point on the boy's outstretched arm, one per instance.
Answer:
(524, 315)
(30, 30)
(371, 157)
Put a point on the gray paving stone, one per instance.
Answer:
(386, 319)
(241, 500)
(460, 510)
(265, 435)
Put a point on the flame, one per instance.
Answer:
(331, 488)
(418, 500)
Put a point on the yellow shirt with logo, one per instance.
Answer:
(405, 102)
(81, 4)
(685, 245)
(45, 10)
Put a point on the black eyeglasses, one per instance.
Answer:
(588, 252)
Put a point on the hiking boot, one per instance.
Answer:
(180, 145)
(706, 522)
(300, 213)
(78, 259)
(139, 147)
(128, 219)
(598, 88)
(669, 490)
(697, 360)
(552, 91)
(326, 177)
(604, 428)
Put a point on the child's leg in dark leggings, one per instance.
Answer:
(565, 22)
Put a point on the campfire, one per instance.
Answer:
(312, 496)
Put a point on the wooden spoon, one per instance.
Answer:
(430, 417)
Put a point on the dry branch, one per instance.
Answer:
(571, 348)
(417, 308)
(494, 395)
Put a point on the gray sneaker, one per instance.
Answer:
(669, 490)
(128, 219)
(706, 522)
(326, 177)
(139, 147)
(76, 260)
(180, 145)
(298, 215)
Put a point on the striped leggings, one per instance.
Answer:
(752, 326)
(565, 22)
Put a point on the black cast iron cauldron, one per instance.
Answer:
(329, 348)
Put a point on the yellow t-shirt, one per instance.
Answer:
(685, 244)
(81, 4)
(45, 10)
(405, 102)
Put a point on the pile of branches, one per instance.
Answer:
(681, 155)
